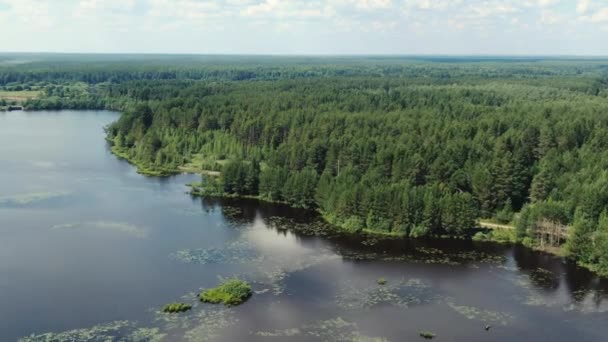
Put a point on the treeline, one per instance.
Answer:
(422, 150)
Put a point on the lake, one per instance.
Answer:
(90, 251)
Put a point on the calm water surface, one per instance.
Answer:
(90, 250)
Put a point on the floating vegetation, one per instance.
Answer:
(427, 335)
(236, 252)
(544, 278)
(233, 213)
(276, 270)
(208, 324)
(315, 228)
(118, 227)
(266, 267)
(230, 292)
(404, 293)
(473, 313)
(123, 331)
(146, 335)
(425, 255)
(335, 329)
(102, 332)
(176, 307)
(381, 281)
(31, 198)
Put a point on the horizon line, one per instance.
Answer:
(515, 55)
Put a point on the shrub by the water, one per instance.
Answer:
(230, 292)
(176, 307)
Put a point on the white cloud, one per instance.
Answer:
(95, 7)
(583, 6)
(306, 25)
(492, 8)
(432, 4)
(599, 16)
(30, 12)
(551, 17)
(374, 4)
(288, 9)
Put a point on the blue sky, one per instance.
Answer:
(454, 27)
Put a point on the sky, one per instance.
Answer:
(307, 27)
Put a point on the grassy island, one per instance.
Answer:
(230, 292)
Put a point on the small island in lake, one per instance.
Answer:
(230, 292)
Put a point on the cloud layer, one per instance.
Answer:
(307, 26)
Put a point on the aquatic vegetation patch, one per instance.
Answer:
(229, 292)
(317, 227)
(474, 313)
(431, 256)
(403, 293)
(123, 331)
(545, 278)
(236, 252)
(267, 267)
(208, 325)
(146, 335)
(110, 226)
(176, 307)
(102, 332)
(335, 329)
(20, 200)
(274, 271)
(232, 213)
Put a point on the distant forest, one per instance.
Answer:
(419, 147)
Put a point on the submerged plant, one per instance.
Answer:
(230, 292)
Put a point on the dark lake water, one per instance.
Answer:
(90, 250)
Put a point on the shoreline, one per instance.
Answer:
(145, 171)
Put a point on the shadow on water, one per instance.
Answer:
(546, 272)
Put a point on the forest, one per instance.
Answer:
(418, 147)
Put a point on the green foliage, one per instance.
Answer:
(230, 292)
(532, 214)
(176, 307)
(497, 235)
(395, 145)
